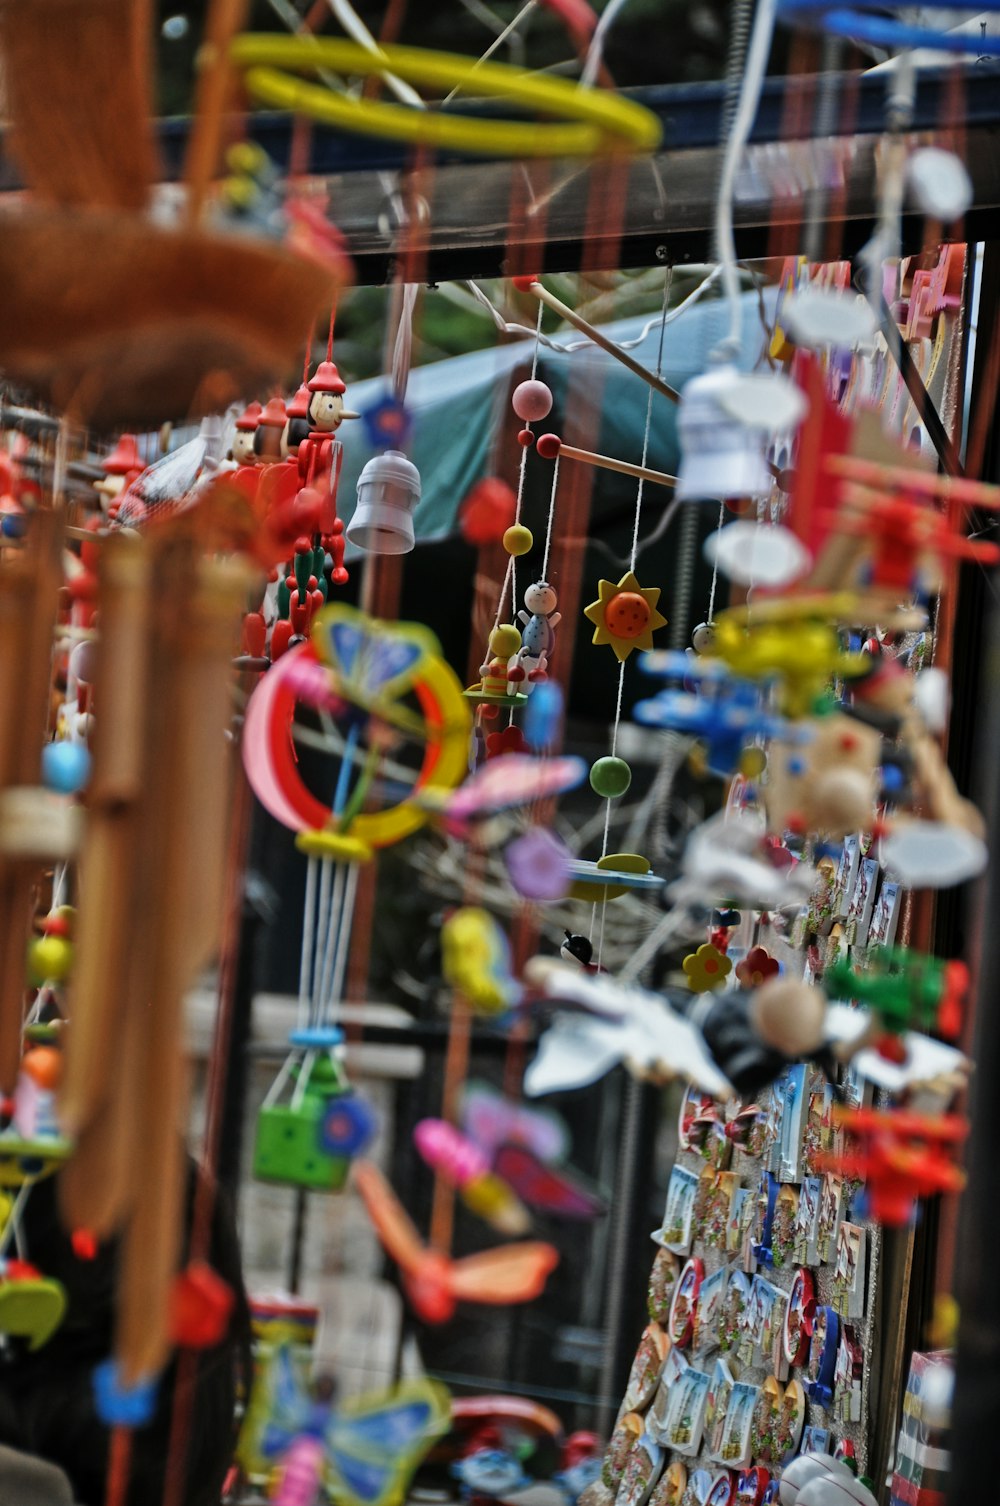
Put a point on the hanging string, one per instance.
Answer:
(715, 566)
(552, 513)
(333, 321)
(510, 575)
(306, 963)
(309, 349)
(667, 283)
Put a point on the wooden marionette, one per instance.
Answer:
(299, 425)
(321, 454)
(243, 451)
(121, 468)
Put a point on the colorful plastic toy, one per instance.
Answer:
(475, 960)
(625, 615)
(900, 1157)
(464, 1165)
(434, 1283)
(905, 990)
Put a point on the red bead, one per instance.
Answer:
(201, 1303)
(339, 576)
(254, 634)
(525, 439)
(303, 545)
(549, 446)
(525, 283)
(56, 925)
(84, 1244)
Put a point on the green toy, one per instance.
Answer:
(288, 1145)
(907, 990)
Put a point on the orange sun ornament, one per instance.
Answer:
(625, 615)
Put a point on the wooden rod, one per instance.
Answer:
(225, 19)
(957, 488)
(605, 463)
(578, 322)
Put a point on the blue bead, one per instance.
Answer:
(122, 1406)
(65, 767)
(347, 1126)
(13, 525)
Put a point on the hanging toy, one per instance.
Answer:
(461, 1163)
(292, 1133)
(540, 620)
(497, 685)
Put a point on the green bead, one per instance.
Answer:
(610, 777)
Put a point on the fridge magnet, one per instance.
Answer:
(749, 1222)
(708, 1310)
(716, 1147)
(722, 1491)
(765, 1417)
(735, 1450)
(806, 1249)
(775, 1108)
(686, 1417)
(685, 1299)
(859, 914)
(627, 1431)
(641, 1472)
(816, 1440)
(741, 1124)
(793, 1117)
(674, 1367)
(672, 1485)
(694, 1105)
(791, 1419)
(885, 916)
(847, 876)
(817, 1138)
(830, 1213)
(644, 1377)
(822, 1365)
(800, 1316)
(733, 1223)
(755, 1322)
(734, 1305)
(751, 1487)
(662, 1279)
(765, 1204)
(702, 1199)
(848, 1375)
(757, 1142)
(716, 1407)
(775, 1356)
(698, 1485)
(678, 1217)
(786, 1212)
(849, 1272)
(718, 1208)
(658, 1416)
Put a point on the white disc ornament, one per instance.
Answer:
(820, 317)
(933, 855)
(832, 1490)
(940, 183)
(766, 401)
(755, 555)
(807, 1467)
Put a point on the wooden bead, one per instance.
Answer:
(517, 540)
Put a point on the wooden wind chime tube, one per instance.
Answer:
(151, 906)
(29, 590)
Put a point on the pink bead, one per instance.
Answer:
(531, 401)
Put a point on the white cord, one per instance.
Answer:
(552, 511)
(595, 52)
(715, 567)
(308, 942)
(567, 347)
(753, 79)
(402, 354)
(356, 28)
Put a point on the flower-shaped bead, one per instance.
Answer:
(757, 967)
(707, 968)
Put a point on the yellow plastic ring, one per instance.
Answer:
(598, 120)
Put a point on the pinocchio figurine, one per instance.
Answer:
(321, 454)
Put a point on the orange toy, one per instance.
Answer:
(434, 1283)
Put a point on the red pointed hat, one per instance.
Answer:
(273, 416)
(249, 418)
(327, 379)
(124, 457)
(299, 405)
